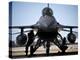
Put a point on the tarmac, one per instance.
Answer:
(18, 52)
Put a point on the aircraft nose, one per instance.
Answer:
(47, 11)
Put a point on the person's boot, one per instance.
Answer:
(26, 51)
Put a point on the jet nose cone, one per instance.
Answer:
(47, 11)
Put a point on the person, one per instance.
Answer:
(30, 40)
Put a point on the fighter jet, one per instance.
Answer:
(47, 29)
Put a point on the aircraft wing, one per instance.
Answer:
(69, 26)
(16, 27)
(21, 27)
(64, 28)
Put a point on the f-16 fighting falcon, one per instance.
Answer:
(47, 32)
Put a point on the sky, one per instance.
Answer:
(28, 13)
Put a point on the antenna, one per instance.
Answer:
(48, 5)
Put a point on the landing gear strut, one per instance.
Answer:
(47, 48)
